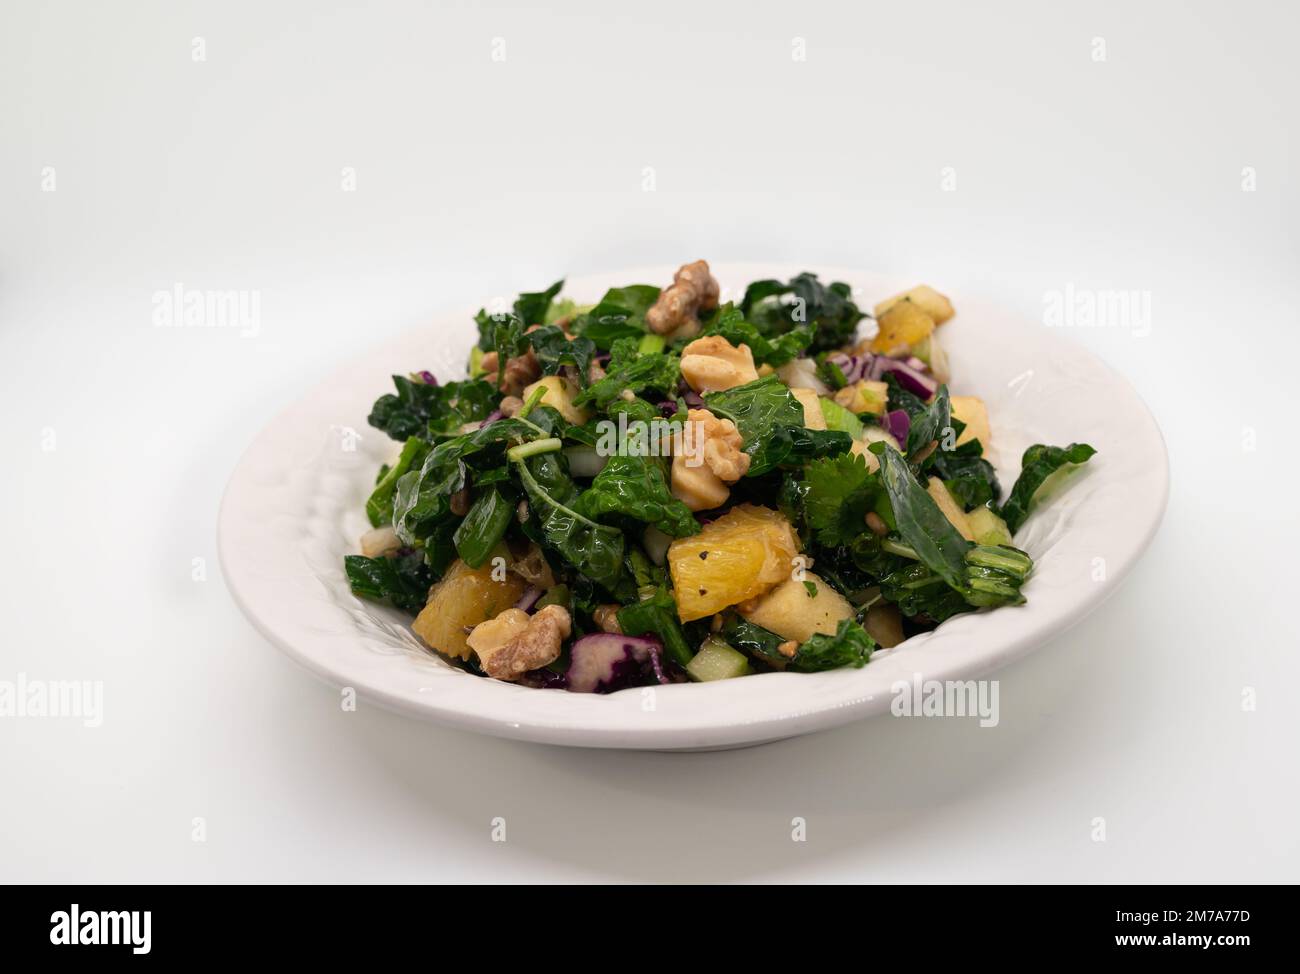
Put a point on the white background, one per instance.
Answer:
(477, 178)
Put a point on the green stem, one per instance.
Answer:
(650, 344)
(898, 548)
(533, 400)
(525, 450)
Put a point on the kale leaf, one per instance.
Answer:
(629, 369)
(657, 616)
(422, 498)
(532, 307)
(970, 478)
(595, 550)
(904, 399)
(850, 646)
(483, 527)
(635, 487)
(932, 424)
(379, 506)
(555, 350)
(776, 308)
(937, 544)
(992, 576)
(1038, 463)
(419, 409)
(730, 323)
(619, 314)
(402, 580)
(770, 421)
(917, 591)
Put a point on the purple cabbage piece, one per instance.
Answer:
(427, 377)
(854, 367)
(491, 418)
(604, 662)
(668, 408)
(911, 379)
(897, 424)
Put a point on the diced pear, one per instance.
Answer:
(972, 411)
(791, 612)
(905, 324)
(559, 395)
(926, 298)
(951, 509)
(864, 396)
(813, 418)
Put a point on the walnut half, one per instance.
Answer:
(677, 310)
(514, 642)
(709, 458)
(712, 364)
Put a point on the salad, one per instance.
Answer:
(663, 487)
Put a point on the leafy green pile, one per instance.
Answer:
(467, 479)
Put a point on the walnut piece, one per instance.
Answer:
(712, 363)
(676, 312)
(530, 643)
(710, 457)
(606, 616)
(722, 445)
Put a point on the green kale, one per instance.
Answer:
(919, 592)
(593, 549)
(1038, 463)
(776, 308)
(619, 314)
(532, 308)
(937, 544)
(402, 580)
(555, 350)
(379, 506)
(933, 424)
(904, 399)
(770, 421)
(657, 616)
(422, 498)
(970, 478)
(992, 576)
(730, 323)
(635, 487)
(420, 409)
(629, 369)
(483, 527)
(850, 646)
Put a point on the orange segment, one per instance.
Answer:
(901, 327)
(737, 557)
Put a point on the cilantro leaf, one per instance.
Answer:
(837, 494)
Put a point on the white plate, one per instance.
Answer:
(294, 508)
